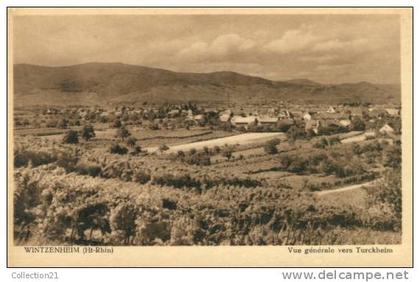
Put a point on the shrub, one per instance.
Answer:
(388, 191)
(270, 146)
(163, 148)
(197, 159)
(88, 169)
(180, 154)
(117, 123)
(67, 161)
(123, 219)
(71, 137)
(62, 123)
(141, 177)
(88, 132)
(122, 133)
(177, 181)
(227, 152)
(357, 124)
(131, 141)
(118, 149)
(392, 157)
(23, 158)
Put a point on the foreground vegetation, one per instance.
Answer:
(163, 177)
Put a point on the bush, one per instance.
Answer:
(177, 181)
(88, 169)
(117, 123)
(357, 124)
(131, 141)
(122, 133)
(71, 137)
(270, 146)
(197, 159)
(23, 158)
(227, 152)
(163, 148)
(392, 157)
(62, 123)
(141, 177)
(88, 132)
(388, 191)
(123, 219)
(118, 149)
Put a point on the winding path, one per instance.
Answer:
(347, 188)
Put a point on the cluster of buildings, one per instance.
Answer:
(313, 118)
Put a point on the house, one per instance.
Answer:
(173, 113)
(267, 120)
(387, 129)
(345, 122)
(224, 117)
(331, 110)
(284, 114)
(272, 112)
(199, 118)
(243, 121)
(312, 125)
(307, 116)
(393, 111)
(370, 134)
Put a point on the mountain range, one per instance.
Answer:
(113, 83)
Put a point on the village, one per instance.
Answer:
(314, 120)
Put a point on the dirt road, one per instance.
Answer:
(346, 188)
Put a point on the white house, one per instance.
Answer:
(393, 111)
(345, 122)
(284, 114)
(199, 118)
(243, 121)
(307, 116)
(331, 110)
(312, 125)
(386, 129)
(224, 117)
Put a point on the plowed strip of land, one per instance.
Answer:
(241, 139)
(346, 188)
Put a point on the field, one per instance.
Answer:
(240, 139)
(136, 182)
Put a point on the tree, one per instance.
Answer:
(71, 137)
(118, 149)
(294, 133)
(62, 123)
(131, 141)
(123, 219)
(163, 148)
(227, 152)
(88, 132)
(392, 157)
(180, 154)
(122, 133)
(357, 124)
(117, 123)
(270, 146)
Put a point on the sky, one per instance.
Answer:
(324, 48)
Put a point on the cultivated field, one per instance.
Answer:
(240, 139)
(134, 180)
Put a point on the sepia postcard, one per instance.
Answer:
(228, 137)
